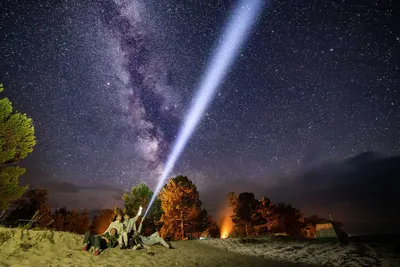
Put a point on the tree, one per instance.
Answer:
(101, 222)
(211, 226)
(71, 221)
(32, 202)
(17, 139)
(243, 207)
(233, 203)
(10, 189)
(83, 222)
(200, 226)
(182, 207)
(214, 231)
(140, 195)
(60, 220)
(246, 207)
(290, 218)
(264, 216)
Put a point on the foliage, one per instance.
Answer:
(246, 206)
(101, 222)
(266, 217)
(17, 139)
(243, 206)
(70, 220)
(140, 195)
(214, 231)
(84, 222)
(291, 218)
(31, 202)
(32, 206)
(10, 189)
(182, 209)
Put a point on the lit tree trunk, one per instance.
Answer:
(245, 227)
(182, 230)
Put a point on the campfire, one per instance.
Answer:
(226, 225)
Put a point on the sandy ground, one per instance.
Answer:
(46, 248)
(313, 252)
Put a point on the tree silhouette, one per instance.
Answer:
(60, 222)
(243, 207)
(290, 219)
(246, 207)
(29, 204)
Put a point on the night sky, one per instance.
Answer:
(308, 114)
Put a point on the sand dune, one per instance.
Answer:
(46, 248)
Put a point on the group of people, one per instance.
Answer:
(124, 234)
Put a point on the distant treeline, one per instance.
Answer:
(255, 217)
(176, 213)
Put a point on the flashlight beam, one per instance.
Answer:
(236, 33)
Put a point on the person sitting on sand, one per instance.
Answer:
(146, 241)
(129, 228)
(107, 240)
(116, 224)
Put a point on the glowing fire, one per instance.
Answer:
(224, 234)
(227, 224)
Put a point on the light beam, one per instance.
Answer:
(235, 34)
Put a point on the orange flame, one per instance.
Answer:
(227, 224)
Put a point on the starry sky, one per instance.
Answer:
(311, 101)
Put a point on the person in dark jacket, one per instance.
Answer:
(107, 240)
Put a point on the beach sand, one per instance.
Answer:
(47, 248)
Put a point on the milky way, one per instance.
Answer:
(107, 84)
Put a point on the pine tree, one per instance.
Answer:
(243, 207)
(32, 202)
(83, 223)
(182, 207)
(265, 216)
(17, 139)
(140, 195)
(291, 219)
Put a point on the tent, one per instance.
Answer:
(329, 231)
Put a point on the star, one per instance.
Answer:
(108, 85)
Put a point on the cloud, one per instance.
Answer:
(72, 196)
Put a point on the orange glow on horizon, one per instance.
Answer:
(226, 224)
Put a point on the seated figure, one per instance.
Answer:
(147, 241)
(100, 242)
(128, 229)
